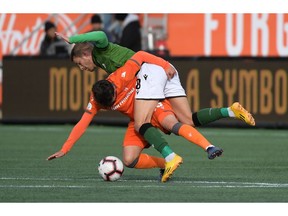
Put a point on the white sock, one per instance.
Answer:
(230, 112)
(209, 146)
(170, 157)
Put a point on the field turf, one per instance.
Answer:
(254, 167)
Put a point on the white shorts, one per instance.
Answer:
(153, 83)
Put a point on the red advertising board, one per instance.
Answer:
(15, 30)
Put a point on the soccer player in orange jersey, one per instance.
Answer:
(124, 93)
(122, 96)
(110, 56)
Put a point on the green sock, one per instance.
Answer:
(166, 151)
(205, 116)
(224, 112)
(154, 137)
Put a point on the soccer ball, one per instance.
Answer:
(110, 168)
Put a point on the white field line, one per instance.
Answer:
(195, 184)
(140, 186)
(39, 179)
(44, 186)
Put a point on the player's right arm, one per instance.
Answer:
(141, 57)
(79, 129)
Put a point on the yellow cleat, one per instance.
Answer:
(170, 167)
(242, 114)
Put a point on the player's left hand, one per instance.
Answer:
(63, 37)
(56, 155)
(170, 71)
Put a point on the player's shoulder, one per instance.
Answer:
(91, 102)
(119, 74)
(92, 106)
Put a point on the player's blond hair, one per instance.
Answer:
(80, 48)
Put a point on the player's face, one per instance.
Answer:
(85, 62)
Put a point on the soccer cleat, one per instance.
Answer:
(171, 166)
(214, 152)
(242, 114)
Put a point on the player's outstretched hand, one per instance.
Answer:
(65, 38)
(170, 71)
(56, 155)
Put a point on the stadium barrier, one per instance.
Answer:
(54, 90)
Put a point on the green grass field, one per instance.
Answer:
(254, 167)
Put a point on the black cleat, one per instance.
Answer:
(214, 152)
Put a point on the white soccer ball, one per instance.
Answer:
(110, 168)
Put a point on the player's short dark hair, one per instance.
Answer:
(103, 92)
(79, 48)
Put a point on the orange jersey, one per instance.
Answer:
(125, 98)
(124, 79)
(125, 92)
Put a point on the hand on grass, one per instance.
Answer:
(56, 155)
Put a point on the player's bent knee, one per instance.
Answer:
(139, 125)
(187, 120)
(195, 119)
(144, 128)
(139, 122)
(130, 162)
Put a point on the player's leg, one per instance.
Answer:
(133, 157)
(145, 128)
(164, 116)
(182, 109)
(153, 136)
(150, 87)
(143, 110)
(208, 115)
(177, 97)
(193, 135)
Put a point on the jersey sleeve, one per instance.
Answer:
(77, 132)
(99, 37)
(128, 71)
(80, 128)
(141, 57)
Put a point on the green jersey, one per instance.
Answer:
(106, 55)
